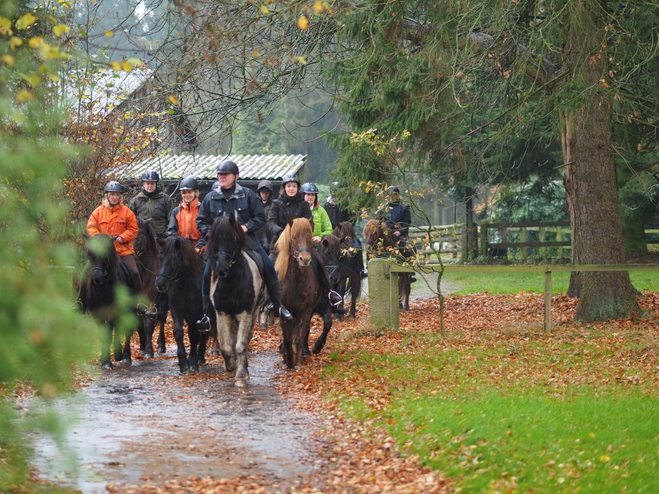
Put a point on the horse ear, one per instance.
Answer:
(147, 221)
(177, 242)
(289, 220)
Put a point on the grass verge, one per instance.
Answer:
(500, 406)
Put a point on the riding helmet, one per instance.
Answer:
(227, 167)
(334, 187)
(309, 188)
(114, 186)
(150, 176)
(264, 184)
(291, 177)
(393, 189)
(188, 183)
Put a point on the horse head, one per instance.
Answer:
(177, 259)
(103, 257)
(330, 249)
(301, 232)
(347, 236)
(227, 241)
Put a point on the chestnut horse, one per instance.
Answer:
(379, 243)
(301, 290)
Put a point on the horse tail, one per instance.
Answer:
(283, 249)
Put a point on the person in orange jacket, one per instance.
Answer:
(183, 220)
(117, 220)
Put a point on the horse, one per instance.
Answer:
(301, 290)
(350, 267)
(147, 255)
(379, 243)
(329, 250)
(237, 292)
(179, 278)
(101, 280)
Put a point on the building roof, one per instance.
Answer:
(202, 167)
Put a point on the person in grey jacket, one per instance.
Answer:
(246, 207)
(264, 234)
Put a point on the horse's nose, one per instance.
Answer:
(161, 284)
(304, 258)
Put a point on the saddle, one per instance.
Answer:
(257, 259)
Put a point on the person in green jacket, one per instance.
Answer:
(322, 225)
(152, 202)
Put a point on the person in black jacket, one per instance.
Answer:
(264, 234)
(398, 218)
(244, 204)
(337, 214)
(291, 204)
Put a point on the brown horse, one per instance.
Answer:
(380, 243)
(301, 290)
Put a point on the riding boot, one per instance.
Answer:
(274, 289)
(204, 324)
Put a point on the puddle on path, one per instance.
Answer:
(147, 422)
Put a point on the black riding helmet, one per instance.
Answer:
(393, 189)
(188, 183)
(227, 167)
(309, 188)
(114, 186)
(150, 176)
(291, 177)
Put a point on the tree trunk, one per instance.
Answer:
(470, 233)
(590, 181)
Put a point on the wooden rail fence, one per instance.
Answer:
(383, 283)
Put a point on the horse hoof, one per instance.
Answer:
(241, 383)
(215, 352)
(194, 369)
(106, 365)
(338, 317)
(162, 349)
(127, 361)
(147, 355)
(306, 352)
(231, 373)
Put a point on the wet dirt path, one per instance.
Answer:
(147, 423)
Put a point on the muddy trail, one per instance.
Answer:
(147, 424)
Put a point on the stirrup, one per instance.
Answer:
(284, 314)
(203, 325)
(145, 312)
(364, 273)
(336, 296)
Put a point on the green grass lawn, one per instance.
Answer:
(502, 283)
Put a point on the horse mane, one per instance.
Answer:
(101, 248)
(296, 228)
(372, 232)
(225, 229)
(147, 240)
(345, 230)
(189, 258)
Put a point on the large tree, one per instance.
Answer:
(469, 78)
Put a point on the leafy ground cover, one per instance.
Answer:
(498, 405)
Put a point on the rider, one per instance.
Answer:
(243, 203)
(264, 234)
(152, 202)
(321, 222)
(183, 220)
(291, 204)
(398, 218)
(337, 214)
(113, 218)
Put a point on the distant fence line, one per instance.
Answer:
(383, 283)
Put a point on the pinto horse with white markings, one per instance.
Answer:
(237, 292)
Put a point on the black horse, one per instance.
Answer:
(351, 265)
(237, 293)
(330, 251)
(103, 278)
(147, 255)
(180, 279)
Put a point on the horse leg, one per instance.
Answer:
(201, 353)
(322, 339)
(106, 342)
(126, 357)
(194, 337)
(183, 364)
(145, 332)
(355, 289)
(404, 291)
(243, 337)
(162, 347)
(227, 337)
(288, 329)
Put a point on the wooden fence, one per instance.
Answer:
(494, 237)
(383, 283)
